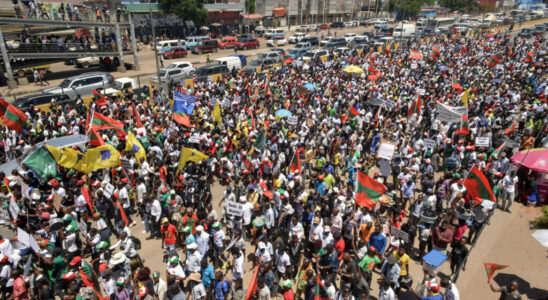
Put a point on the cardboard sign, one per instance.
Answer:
(483, 141)
(83, 227)
(386, 151)
(234, 208)
(126, 164)
(447, 113)
(27, 266)
(56, 202)
(225, 103)
(25, 191)
(429, 144)
(109, 189)
(237, 98)
(4, 215)
(292, 120)
(402, 235)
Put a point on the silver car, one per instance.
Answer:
(82, 85)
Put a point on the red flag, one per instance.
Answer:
(95, 138)
(354, 111)
(99, 98)
(137, 117)
(15, 119)
(88, 283)
(511, 128)
(490, 269)
(415, 107)
(3, 107)
(478, 186)
(122, 213)
(414, 54)
(182, 119)
(295, 165)
(369, 191)
(435, 53)
(496, 59)
(529, 57)
(320, 293)
(252, 288)
(464, 127)
(85, 192)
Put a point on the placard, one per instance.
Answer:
(83, 227)
(414, 66)
(237, 98)
(4, 215)
(194, 139)
(126, 164)
(422, 92)
(402, 235)
(25, 191)
(209, 79)
(447, 113)
(212, 101)
(27, 266)
(14, 209)
(225, 103)
(109, 189)
(483, 141)
(234, 208)
(33, 244)
(292, 120)
(386, 151)
(429, 144)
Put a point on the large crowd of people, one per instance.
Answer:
(286, 146)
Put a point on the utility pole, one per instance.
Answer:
(154, 44)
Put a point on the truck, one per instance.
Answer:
(404, 30)
(121, 84)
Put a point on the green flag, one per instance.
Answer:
(260, 141)
(42, 163)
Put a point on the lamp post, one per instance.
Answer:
(154, 44)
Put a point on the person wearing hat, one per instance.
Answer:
(391, 270)
(193, 258)
(287, 289)
(160, 286)
(368, 264)
(175, 269)
(121, 291)
(169, 235)
(202, 240)
(126, 246)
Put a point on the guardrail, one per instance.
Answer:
(66, 47)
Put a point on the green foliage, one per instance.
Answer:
(250, 6)
(186, 9)
(410, 7)
(460, 5)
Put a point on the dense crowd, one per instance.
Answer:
(289, 182)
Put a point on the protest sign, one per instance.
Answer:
(422, 92)
(14, 209)
(109, 189)
(483, 141)
(234, 208)
(237, 98)
(402, 235)
(27, 266)
(414, 66)
(292, 120)
(212, 101)
(386, 151)
(4, 215)
(25, 191)
(225, 103)
(429, 144)
(447, 113)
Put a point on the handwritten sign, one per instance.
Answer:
(422, 92)
(225, 103)
(109, 189)
(414, 66)
(386, 151)
(402, 235)
(234, 208)
(212, 101)
(483, 141)
(429, 144)
(292, 120)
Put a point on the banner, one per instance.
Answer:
(447, 113)
(292, 120)
(386, 151)
(483, 141)
(429, 144)
(234, 208)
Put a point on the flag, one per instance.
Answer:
(42, 162)
(84, 190)
(456, 85)
(102, 157)
(511, 128)
(320, 293)
(95, 138)
(137, 117)
(415, 107)
(369, 191)
(189, 154)
(133, 145)
(101, 122)
(15, 119)
(529, 57)
(182, 119)
(3, 107)
(464, 127)
(288, 60)
(498, 150)
(435, 53)
(295, 165)
(217, 113)
(464, 97)
(73, 159)
(413, 54)
(99, 98)
(89, 283)
(251, 122)
(260, 141)
(490, 269)
(478, 186)
(354, 111)
(183, 102)
(495, 59)
(57, 153)
(252, 287)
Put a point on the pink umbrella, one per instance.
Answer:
(534, 159)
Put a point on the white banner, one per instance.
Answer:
(447, 113)
(225, 103)
(386, 151)
(429, 144)
(483, 141)
(14, 209)
(237, 98)
(292, 120)
(422, 92)
(25, 190)
(212, 101)
(234, 208)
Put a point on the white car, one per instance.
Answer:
(276, 42)
(325, 40)
(302, 28)
(185, 66)
(349, 24)
(312, 27)
(297, 37)
(349, 36)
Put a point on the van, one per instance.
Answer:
(83, 84)
(271, 33)
(163, 46)
(193, 41)
(230, 62)
(43, 102)
(404, 30)
(215, 71)
(379, 24)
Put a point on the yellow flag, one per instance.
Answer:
(55, 152)
(189, 154)
(102, 157)
(464, 97)
(217, 113)
(133, 145)
(73, 159)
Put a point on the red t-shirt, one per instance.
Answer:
(169, 234)
(288, 295)
(340, 247)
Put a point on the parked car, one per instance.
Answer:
(206, 46)
(122, 84)
(193, 41)
(169, 75)
(364, 23)
(368, 34)
(296, 53)
(349, 36)
(324, 26)
(349, 24)
(337, 25)
(214, 70)
(335, 43)
(175, 52)
(230, 62)
(387, 31)
(325, 40)
(341, 51)
(297, 37)
(260, 30)
(301, 45)
(277, 41)
(228, 42)
(259, 63)
(186, 67)
(242, 58)
(274, 55)
(526, 32)
(312, 40)
(312, 27)
(270, 33)
(247, 44)
(82, 85)
(302, 28)
(42, 102)
(360, 39)
(90, 61)
(315, 54)
(279, 50)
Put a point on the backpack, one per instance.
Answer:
(136, 242)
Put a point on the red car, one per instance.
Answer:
(228, 42)
(324, 26)
(247, 44)
(175, 52)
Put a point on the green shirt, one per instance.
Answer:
(59, 268)
(368, 263)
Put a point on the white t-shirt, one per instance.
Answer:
(452, 294)
(198, 292)
(282, 262)
(509, 183)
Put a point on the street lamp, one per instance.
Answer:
(154, 44)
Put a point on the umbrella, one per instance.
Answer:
(216, 24)
(309, 86)
(353, 69)
(204, 28)
(443, 68)
(282, 113)
(534, 159)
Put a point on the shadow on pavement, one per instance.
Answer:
(524, 286)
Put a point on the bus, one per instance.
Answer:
(440, 22)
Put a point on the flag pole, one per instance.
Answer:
(88, 130)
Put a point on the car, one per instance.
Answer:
(325, 40)
(297, 37)
(247, 44)
(206, 46)
(296, 53)
(360, 39)
(214, 70)
(228, 42)
(539, 29)
(335, 43)
(120, 85)
(387, 31)
(245, 36)
(260, 30)
(86, 62)
(175, 52)
(242, 58)
(169, 75)
(324, 26)
(259, 63)
(349, 36)
(193, 41)
(83, 84)
(185, 66)
(379, 24)
(277, 41)
(42, 102)
(365, 47)
(312, 27)
(312, 40)
(315, 54)
(526, 32)
(279, 50)
(337, 25)
(342, 51)
(368, 34)
(274, 55)
(302, 28)
(364, 23)
(271, 33)
(305, 46)
(349, 24)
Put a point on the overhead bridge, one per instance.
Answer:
(67, 55)
(68, 24)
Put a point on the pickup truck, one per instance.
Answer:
(119, 85)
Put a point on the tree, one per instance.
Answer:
(250, 6)
(408, 7)
(460, 5)
(186, 9)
